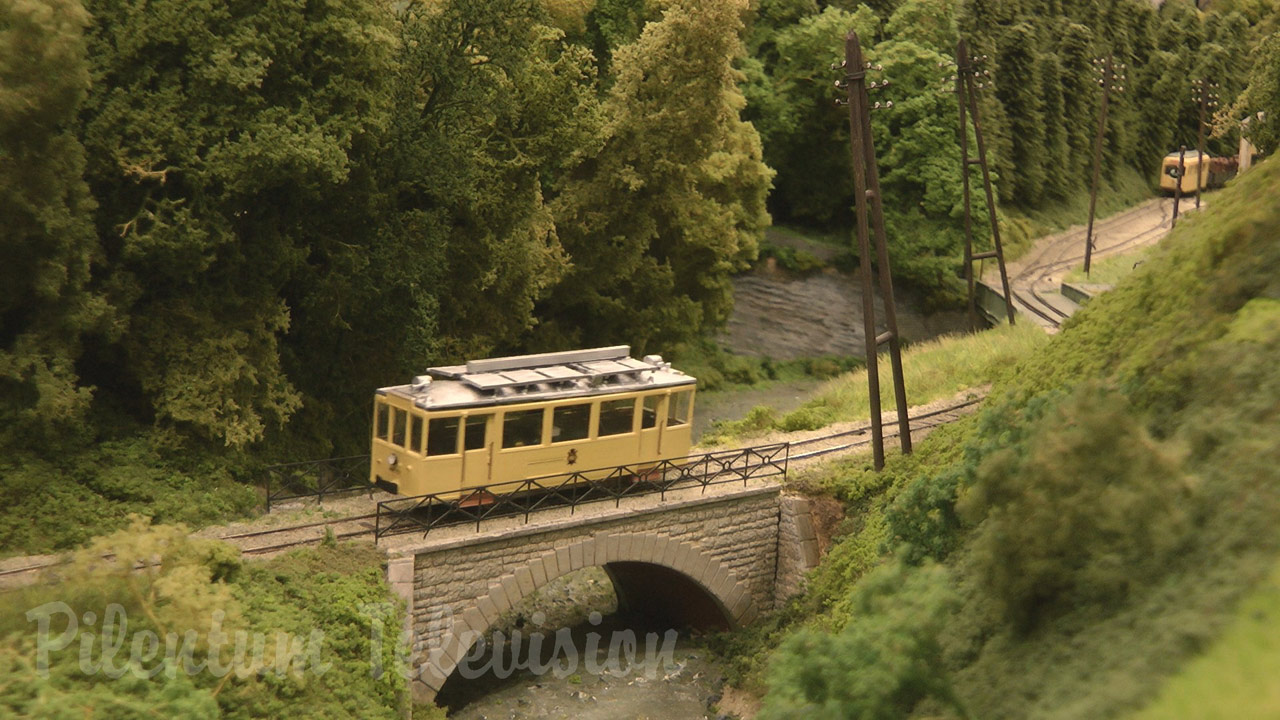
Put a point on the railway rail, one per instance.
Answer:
(1065, 254)
(279, 539)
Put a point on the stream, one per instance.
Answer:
(619, 666)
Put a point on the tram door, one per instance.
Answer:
(478, 440)
(652, 417)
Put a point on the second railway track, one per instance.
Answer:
(1066, 251)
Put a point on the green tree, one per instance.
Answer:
(1260, 101)
(806, 138)
(930, 23)
(495, 96)
(46, 237)
(919, 160)
(1079, 100)
(672, 203)
(220, 138)
(1019, 88)
(613, 23)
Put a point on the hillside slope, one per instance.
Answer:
(1087, 536)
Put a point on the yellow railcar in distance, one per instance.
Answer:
(1195, 172)
(507, 419)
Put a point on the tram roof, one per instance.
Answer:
(532, 378)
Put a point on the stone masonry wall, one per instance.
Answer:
(797, 547)
(728, 543)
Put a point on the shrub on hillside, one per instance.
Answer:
(1083, 511)
(922, 520)
(885, 660)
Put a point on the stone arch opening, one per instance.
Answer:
(665, 597)
(653, 575)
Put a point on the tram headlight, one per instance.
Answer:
(392, 460)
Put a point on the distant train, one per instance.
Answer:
(1206, 172)
(505, 419)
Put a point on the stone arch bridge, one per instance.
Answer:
(716, 560)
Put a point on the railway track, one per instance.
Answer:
(273, 540)
(1066, 252)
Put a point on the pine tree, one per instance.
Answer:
(673, 202)
(1019, 89)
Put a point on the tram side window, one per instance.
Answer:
(521, 428)
(474, 438)
(397, 429)
(678, 409)
(570, 422)
(415, 433)
(383, 417)
(442, 436)
(649, 417)
(616, 416)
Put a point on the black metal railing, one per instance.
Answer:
(522, 497)
(316, 478)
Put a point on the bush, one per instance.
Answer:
(922, 519)
(798, 261)
(882, 664)
(1085, 509)
(183, 589)
(62, 502)
(809, 417)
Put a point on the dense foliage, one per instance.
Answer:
(197, 634)
(1098, 522)
(225, 224)
(224, 219)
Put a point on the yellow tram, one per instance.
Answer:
(507, 419)
(1195, 172)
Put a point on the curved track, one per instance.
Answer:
(1066, 250)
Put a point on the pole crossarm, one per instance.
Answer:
(1207, 99)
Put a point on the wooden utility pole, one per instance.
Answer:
(967, 86)
(1177, 186)
(866, 185)
(1108, 79)
(1207, 100)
